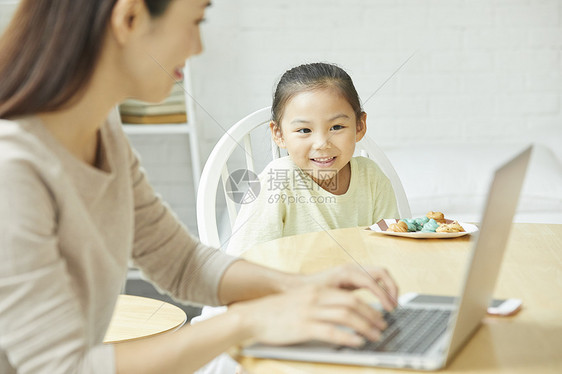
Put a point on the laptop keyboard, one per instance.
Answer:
(409, 331)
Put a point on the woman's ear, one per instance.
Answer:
(361, 128)
(276, 134)
(126, 18)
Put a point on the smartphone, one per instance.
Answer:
(506, 307)
(498, 307)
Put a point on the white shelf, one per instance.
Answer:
(172, 128)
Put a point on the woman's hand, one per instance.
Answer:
(328, 313)
(352, 276)
(282, 308)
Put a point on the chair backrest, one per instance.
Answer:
(239, 136)
(370, 149)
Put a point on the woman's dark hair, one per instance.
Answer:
(49, 51)
(310, 77)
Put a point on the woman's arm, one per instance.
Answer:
(191, 347)
(244, 280)
(312, 311)
(164, 250)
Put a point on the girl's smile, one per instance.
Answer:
(319, 129)
(324, 162)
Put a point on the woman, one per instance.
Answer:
(76, 206)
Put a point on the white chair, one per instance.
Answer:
(368, 148)
(239, 136)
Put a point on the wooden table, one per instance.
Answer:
(530, 342)
(137, 317)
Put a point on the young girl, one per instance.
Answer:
(317, 117)
(76, 207)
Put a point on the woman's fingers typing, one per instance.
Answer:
(331, 333)
(349, 305)
(344, 313)
(384, 287)
(351, 276)
(342, 318)
(328, 314)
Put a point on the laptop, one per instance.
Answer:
(426, 336)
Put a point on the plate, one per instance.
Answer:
(381, 227)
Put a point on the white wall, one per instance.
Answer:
(482, 71)
(7, 8)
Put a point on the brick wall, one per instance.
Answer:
(481, 71)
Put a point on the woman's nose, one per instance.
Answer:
(196, 45)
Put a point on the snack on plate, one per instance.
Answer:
(437, 216)
(421, 221)
(399, 226)
(432, 222)
(451, 227)
(412, 225)
(430, 226)
(458, 225)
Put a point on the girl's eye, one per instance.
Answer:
(337, 127)
(303, 131)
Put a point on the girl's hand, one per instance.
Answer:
(313, 312)
(352, 276)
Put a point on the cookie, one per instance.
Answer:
(437, 216)
(421, 221)
(449, 227)
(458, 226)
(399, 226)
(430, 226)
(412, 224)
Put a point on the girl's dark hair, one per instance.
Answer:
(49, 51)
(309, 77)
